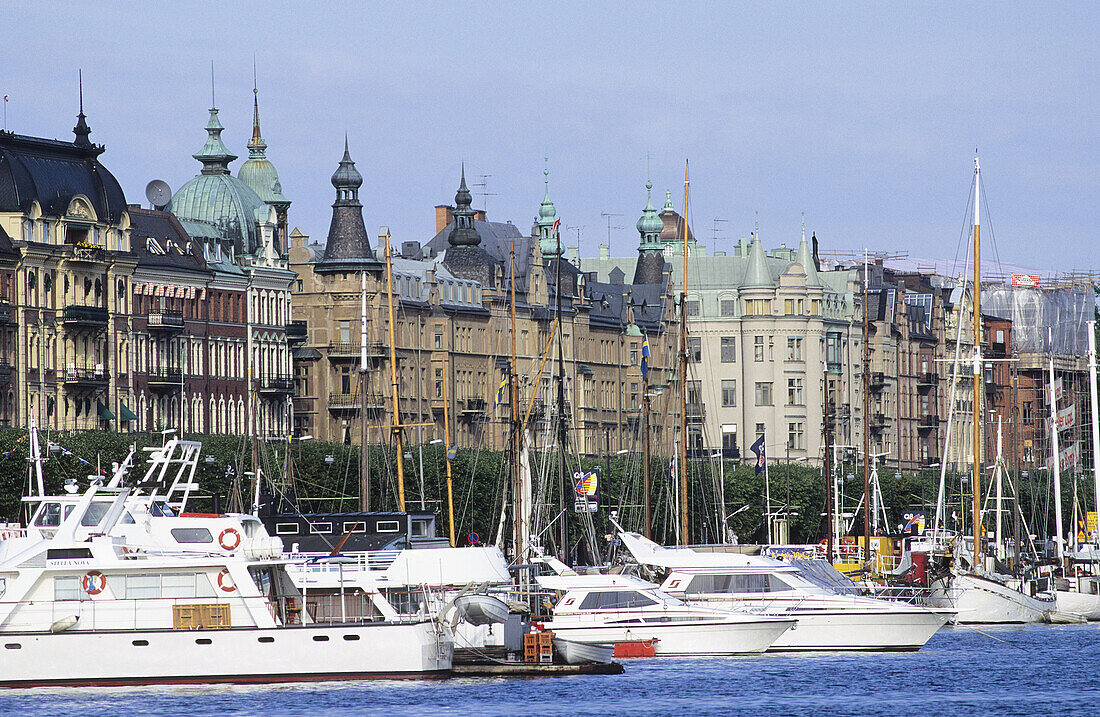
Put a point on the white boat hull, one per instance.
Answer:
(981, 600)
(287, 654)
(583, 653)
(1083, 604)
(678, 639)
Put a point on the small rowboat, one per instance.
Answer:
(581, 653)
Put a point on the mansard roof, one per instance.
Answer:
(52, 173)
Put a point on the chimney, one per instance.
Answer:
(479, 215)
(444, 215)
(605, 251)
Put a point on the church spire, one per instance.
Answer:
(82, 130)
(214, 155)
(256, 146)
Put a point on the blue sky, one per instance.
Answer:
(863, 116)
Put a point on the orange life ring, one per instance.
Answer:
(227, 535)
(93, 582)
(225, 581)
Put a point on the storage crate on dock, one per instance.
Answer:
(538, 648)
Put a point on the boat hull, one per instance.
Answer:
(1077, 603)
(680, 639)
(583, 653)
(981, 600)
(245, 655)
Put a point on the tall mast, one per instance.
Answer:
(645, 456)
(977, 372)
(364, 461)
(1059, 539)
(447, 453)
(563, 483)
(517, 507)
(866, 414)
(684, 523)
(827, 474)
(1095, 417)
(400, 455)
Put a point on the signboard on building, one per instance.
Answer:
(1029, 280)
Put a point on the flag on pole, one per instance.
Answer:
(502, 390)
(758, 449)
(645, 358)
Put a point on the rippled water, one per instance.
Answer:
(1035, 670)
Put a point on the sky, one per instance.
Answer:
(861, 118)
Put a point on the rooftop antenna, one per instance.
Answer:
(6, 113)
(484, 184)
(609, 227)
(716, 230)
(213, 102)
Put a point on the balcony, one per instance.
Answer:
(87, 317)
(6, 312)
(86, 378)
(927, 380)
(473, 409)
(166, 378)
(167, 321)
(279, 384)
(878, 380)
(87, 252)
(927, 422)
(344, 402)
(296, 333)
(878, 422)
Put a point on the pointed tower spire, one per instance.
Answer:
(805, 257)
(464, 232)
(82, 130)
(256, 146)
(651, 260)
(757, 275)
(348, 244)
(214, 155)
(549, 242)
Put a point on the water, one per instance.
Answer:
(1033, 670)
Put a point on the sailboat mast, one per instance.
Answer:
(447, 453)
(400, 452)
(977, 372)
(646, 530)
(364, 478)
(517, 506)
(1059, 540)
(866, 414)
(1095, 417)
(684, 522)
(563, 484)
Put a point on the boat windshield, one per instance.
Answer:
(615, 600)
(710, 584)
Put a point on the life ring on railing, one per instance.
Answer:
(93, 582)
(229, 539)
(225, 581)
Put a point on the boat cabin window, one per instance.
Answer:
(67, 588)
(286, 529)
(192, 535)
(748, 583)
(317, 528)
(161, 509)
(49, 515)
(127, 519)
(355, 527)
(142, 585)
(420, 528)
(388, 526)
(94, 514)
(615, 600)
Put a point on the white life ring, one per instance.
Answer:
(225, 581)
(229, 539)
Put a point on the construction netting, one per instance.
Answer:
(1042, 315)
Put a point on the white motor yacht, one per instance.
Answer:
(827, 620)
(628, 611)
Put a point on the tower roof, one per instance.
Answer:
(348, 246)
(464, 232)
(214, 155)
(258, 172)
(549, 241)
(806, 258)
(757, 275)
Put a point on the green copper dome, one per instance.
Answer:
(549, 242)
(258, 172)
(217, 198)
(649, 224)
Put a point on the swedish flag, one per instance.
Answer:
(502, 390)
(645, 358)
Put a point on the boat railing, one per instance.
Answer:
(916, 595)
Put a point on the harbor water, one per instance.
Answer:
(1032, 670)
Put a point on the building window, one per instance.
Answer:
(437, 340)
(729, 439)
(758, 349)
(692, 308)
(695, 349)
(794, 392)
(439, 383)
(729, 349)
(759, 430)
(758, 307)
(633, 357)
(728, 307)
(795, 436)
(794, 348)
(815, 307)
(729, 392)
(788, 307)
(345, 332)
(832, 349)
(763, 393)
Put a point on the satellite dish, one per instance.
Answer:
(158, 193)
